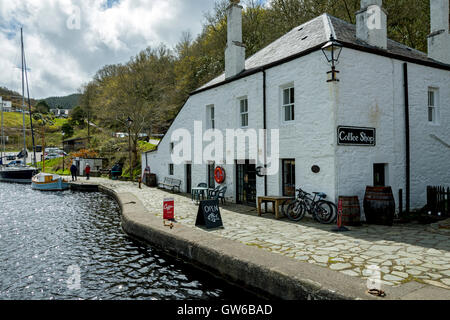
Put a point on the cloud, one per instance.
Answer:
(67, 41)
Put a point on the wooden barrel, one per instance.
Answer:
(150, 180)
(351, 211)
(379, 205)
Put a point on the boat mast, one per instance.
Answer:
(3, 133)
(29, 110)
(23, 104)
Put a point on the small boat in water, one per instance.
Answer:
(17, 174)
(49, 182)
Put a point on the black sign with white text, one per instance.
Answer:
(208, 215)
(355, 136)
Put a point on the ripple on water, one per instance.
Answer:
(47, 237)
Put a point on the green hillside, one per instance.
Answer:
(67, 102)
(15, 97)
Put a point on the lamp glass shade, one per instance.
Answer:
(129, 121)
(332, 51)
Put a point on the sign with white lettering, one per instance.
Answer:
(356, 136)
(169, 209)
(209, 215)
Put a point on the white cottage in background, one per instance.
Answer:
(395, 99)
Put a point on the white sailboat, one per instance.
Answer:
(21, 173)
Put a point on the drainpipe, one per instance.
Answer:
(265, 128)
(407, 141)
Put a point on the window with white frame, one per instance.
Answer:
(433, 105)
(243, 112)
(211, 117)
(288, 105)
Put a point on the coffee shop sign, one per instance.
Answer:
(356, 136)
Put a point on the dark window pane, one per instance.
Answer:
(286, 99)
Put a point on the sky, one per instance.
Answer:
(67, 41)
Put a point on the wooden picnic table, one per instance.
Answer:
(276, 202)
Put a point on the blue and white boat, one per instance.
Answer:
(49, 182)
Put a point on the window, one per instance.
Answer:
(171, 147)
(244, 112)
(211, 117)
(289, 178)
(171, 169)
(433, 105)
(379, 174)
(288, 104)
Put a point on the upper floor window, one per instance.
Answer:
(433, 105)
(288, 106)
(210, 111)
(244, 112)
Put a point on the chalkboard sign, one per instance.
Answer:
(209, 215)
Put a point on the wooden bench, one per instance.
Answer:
(170, 184)
(276, 201)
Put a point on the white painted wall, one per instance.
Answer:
(308, 139)
(370, 94)
(378, 101)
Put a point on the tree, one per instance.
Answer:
(78, 116)
(42, 107)
(67, 129)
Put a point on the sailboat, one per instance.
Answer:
(19, 173)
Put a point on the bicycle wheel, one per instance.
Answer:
(285, 206)
(324, 212)
(295, 211)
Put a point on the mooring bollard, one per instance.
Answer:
(340, 227)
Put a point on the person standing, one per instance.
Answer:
(87, 170)
(73, 171)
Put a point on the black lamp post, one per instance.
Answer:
(129, 124)
(332, 50)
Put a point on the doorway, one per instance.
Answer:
(246, 183)
(188, 178)
(379, 174)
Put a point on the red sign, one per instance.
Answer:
(219, 175)
(169, 209)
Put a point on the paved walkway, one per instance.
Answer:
(403, 253)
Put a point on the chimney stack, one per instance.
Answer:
(439, 39)
(371, 23)
(235, 51)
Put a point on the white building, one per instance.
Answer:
(284, 86)
(7, 106)
(60, 112)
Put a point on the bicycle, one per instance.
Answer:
(323, 211)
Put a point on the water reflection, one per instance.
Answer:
(70, 246)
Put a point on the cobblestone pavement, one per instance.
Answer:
(403, 253)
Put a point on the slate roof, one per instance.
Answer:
(314, 34)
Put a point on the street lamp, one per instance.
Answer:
(332, 50)
(129, 124)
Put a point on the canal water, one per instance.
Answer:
(68, 245)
